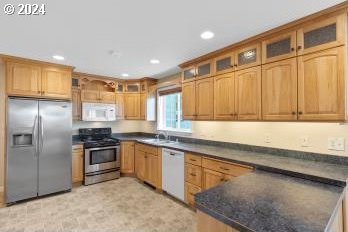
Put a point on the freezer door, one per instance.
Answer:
(55, 145)
(21, 157)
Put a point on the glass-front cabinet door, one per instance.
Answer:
(223, 64)
(325, 34)
(189, 73)
(279, 47)
(120, 87)
(204, 69)
(247, 57)
(133, 88)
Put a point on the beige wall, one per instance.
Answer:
(286, 135)
(117, 127)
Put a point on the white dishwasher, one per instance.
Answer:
(173, 163)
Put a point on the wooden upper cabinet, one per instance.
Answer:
(224, 97)
(120, 87)
(204, 69)
(132, 106)
(188, 74)
(205, 99)
(328, 33)
(248, 93)
(120, 106)
(247, 57)
(133, 87)
(56, 83)
(143, 98)
(279, 47)
(92, 96)
(279, 90)
(76, 104)
(223, 64)
(23, 79)
(107, 97)
(321, 85)
(189, 100)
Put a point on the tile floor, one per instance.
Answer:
(119, 205)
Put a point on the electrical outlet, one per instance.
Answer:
(305, 141)
(336, 144)
(268, 138)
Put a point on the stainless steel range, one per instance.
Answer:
(102, 155)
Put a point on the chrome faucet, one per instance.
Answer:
(164, 133)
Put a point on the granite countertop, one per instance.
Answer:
(313, 170)
(264, 201)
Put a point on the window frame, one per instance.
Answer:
(161, 116)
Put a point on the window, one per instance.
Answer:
(170, 114)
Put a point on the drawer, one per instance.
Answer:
(193, 159)
(77, 148)
(146, 148)
(190, 191)
(224, 167)
(193, 174)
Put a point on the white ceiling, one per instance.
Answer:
(85, 31)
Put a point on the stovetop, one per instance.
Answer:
(97, 137)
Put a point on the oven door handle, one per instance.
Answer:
(102, 148)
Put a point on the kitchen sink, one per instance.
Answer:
(157, 141)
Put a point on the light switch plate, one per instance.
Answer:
(268, 138)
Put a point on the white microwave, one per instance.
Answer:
(98, 112)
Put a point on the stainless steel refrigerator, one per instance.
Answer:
(38, 148)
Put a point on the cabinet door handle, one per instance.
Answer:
(38, 91)
(299, 47)
(222, 179)
(43, 92)
(293, 113)
(235, 65)
(223, 168)
(193, 160)
(292, 49)
(192, 174)
(300, 112)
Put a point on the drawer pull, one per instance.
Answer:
(193, 160)
(192, 174)
(225, 169)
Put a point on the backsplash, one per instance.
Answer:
(284, 135)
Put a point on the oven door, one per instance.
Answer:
(102, 158)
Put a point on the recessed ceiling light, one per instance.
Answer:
(58, 57)
(154, 61)
(125, 74)
(207, 35)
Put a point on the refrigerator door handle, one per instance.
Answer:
(35, 131)
(41, 134)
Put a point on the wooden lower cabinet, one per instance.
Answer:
(321, 85)
(190, 191)
(127, 157)
(77, 164)
(193, 174)
(206, 223)
(148, 164)
(212, 178)
(140, 164)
